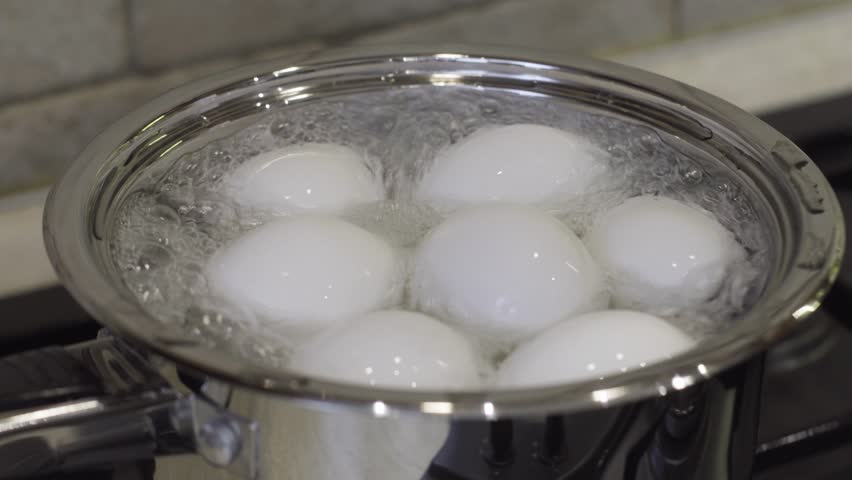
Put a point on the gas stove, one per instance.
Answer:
(806, 413)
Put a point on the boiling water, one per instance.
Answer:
(174, 221)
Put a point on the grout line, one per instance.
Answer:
(344, 37)
(334, 39)
(676, 19)
(129, 36)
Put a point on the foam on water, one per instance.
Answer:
(169, 227)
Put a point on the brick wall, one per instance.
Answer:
(70, 67)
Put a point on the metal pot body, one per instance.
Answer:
(690, 417)
(705, 432)
(789, 200)
(104, 402)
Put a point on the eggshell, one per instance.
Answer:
(505, 272)
(314, 177)
(391, 348)
(594, 345)
(307, 271)
(659, 251)
(520, 163)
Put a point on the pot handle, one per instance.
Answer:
(100, 403)
(46, 375)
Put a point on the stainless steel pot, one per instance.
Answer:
(148, 388)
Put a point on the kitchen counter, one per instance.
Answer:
(23, 263)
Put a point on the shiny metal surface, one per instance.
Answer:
(123, 414)
(802, 209)
(137, 414)
(701, 432)
(705, 433)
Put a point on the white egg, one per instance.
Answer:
(306, 271)
(660, 252)
(315, 177)
(517, 163)
(391, 348)
(505, 272)
(590, 346)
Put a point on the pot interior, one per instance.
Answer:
(160, 207)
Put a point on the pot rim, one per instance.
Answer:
(73, 240)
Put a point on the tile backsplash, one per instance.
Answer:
(562, 25)
(70, 67)
(47, 45)
(168, 32)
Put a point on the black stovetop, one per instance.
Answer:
(813, 390)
